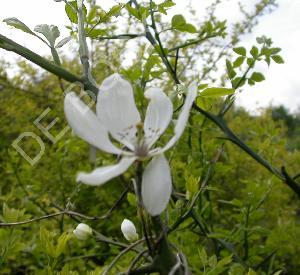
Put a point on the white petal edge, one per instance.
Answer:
(86, 125)
(158, 115)
(156, 185)
(182, 119)
(103, 174)
(116, 109)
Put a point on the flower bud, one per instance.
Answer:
(129, 231)
(82, 231)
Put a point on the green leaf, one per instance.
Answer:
(46, 238)
(191, 184)
(250, 61)
(178, 21)
(71, 11)
(277, 59)
(266, 51)
(11, 243)
(203, 256)
(202, 86)
(238, 82)
(275, 50)
(251, 272)
(167, 4)
(216, 92)
(131, 199)
(92, 15)
(132, 73)
(96, 33)
(239, 61)
(204, 102)
(132, 11)
(50, 32)
(268, 60)
(260, 40)
(257, 77)
(212, 261)
(152, 61)
(162, 8)
(240, 50)
(254, 51)
(115, 10)
(190, 28)
(251, 82)
(163, 51)
(11, 214)
(144, 12)
(225, 261)
(61, 243)
(208, 27)
(16, 23)
(264, 40)
(230, 71)
(157, 74)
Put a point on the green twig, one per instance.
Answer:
(193, 42)
(120, 36)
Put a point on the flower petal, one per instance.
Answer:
(182, 119)
(117, 110)
(156, 185)
(158, 115)
(103, 174)
(86, 125)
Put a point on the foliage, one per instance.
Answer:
(228, 214)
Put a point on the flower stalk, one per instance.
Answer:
(163, 257)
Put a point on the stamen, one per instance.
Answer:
(141, 150)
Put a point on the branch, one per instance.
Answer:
(9, 45)
(74, 215)
(135, 261)
(193, 42)
(120, 36)
(156, 42)
(127, 249)
(83, 47)
(291, 182)
(70, 213)
(220, 122)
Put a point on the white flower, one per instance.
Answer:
(129, 231)
(82, 231)
(117, 115)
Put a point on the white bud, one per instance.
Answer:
(129, 231)
(82, 231)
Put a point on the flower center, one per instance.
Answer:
(141, 150)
